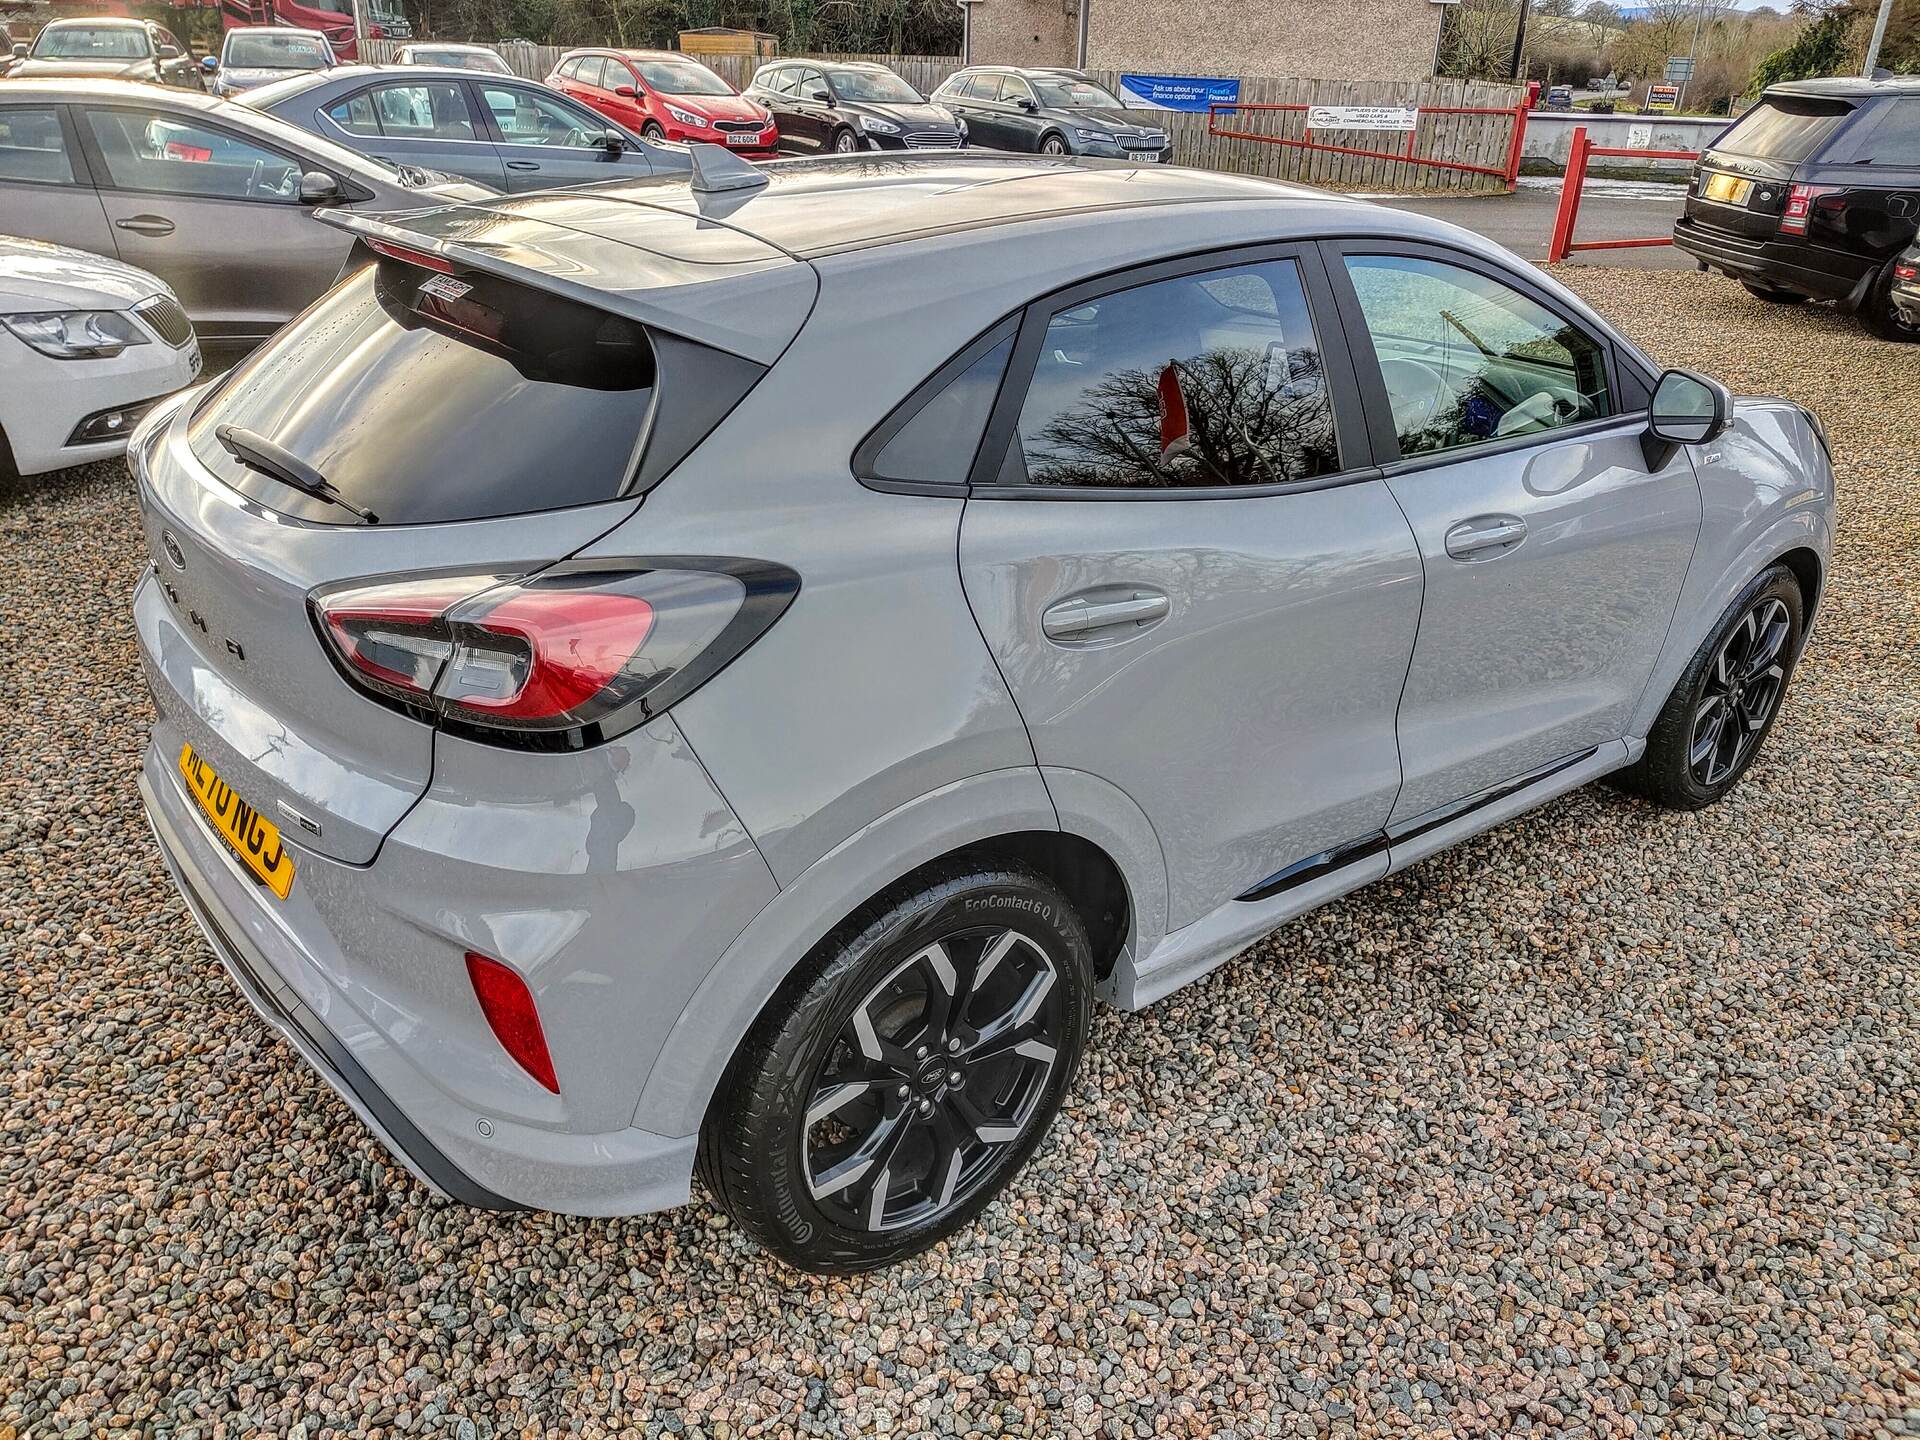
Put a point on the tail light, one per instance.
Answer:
(512, 1016)
(1906, 270)
(1800, 203)
(571, 656)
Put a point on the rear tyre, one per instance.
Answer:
(1713, 724)
(1771, 295)
(845, 142)
(905, 1072)
(651, 131)
(8, 470)
(1882, 317)
(1053, 145)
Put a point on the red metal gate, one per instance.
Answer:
(1563, 244)
(1507, 172)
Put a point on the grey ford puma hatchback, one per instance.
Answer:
(724, 674)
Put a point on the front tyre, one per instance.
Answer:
(652, 133)
(1053, 145)
(1725, 703)
(905, 1072)
(845, 142)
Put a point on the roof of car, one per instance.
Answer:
(460, 45)
(1848, 87)
(265, 97)
(122, 22)
(78, 87)
(275, 30)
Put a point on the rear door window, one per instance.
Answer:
(1784, 127)
(32, 146)
(167, 153)
(592, 70)
(446, 399)
(1888, 135)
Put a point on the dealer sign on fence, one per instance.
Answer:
(1362, 117)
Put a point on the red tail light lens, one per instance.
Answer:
(1906, 272)
(1800, 204)
(512, 1016)
(565, 658)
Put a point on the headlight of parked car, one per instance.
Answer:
(1097, 137)
(877, 126)
(688, 118)
(76, 334)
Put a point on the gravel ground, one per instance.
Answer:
(1601, 1125)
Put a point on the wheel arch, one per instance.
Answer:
(1004, 814)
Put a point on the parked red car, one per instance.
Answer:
(667, 97)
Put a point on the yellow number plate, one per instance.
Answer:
(1729, 189)
(256, 841)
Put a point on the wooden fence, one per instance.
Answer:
(1477, 139)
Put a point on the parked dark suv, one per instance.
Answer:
(851, 105)
(1812, 195)
(1049, 112)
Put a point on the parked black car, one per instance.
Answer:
(849, 106)
(105, 47)
(1812, 195)
(1052, 112)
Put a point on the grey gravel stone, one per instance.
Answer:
(1600, 1125)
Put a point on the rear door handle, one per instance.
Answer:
(523, 164)
(1080, 617)
(1485, 535)
(146, 224)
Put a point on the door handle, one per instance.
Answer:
(1080, 617)
(1485, 534)
(146, 224)
(523, 164)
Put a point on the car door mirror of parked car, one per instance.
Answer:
(1028, 103)
(820, 95)
(625, 92)
(1688, 409)
(613, 141)
(317, 187)
(210, 63)
(168, 52)
(19, 50)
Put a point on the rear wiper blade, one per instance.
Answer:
(259, 453)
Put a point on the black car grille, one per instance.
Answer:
(931, 139)
(166, 319)
(739, 127)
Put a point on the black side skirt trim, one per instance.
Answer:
(1328, 861)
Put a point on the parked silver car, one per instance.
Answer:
(256, 55)
(499, 131)
(727, 673)
(218, 201)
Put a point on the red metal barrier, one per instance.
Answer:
(1508, 172)
(1563, 244)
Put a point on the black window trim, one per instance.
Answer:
(1379, 412)
(83, 173)
(903, 414)
(1349, 416)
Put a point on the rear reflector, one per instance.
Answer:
(424, 259)
(509, 1008)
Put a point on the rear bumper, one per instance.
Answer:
(300, 1026)
(1802, 269)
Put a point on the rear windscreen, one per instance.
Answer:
(424, 397)
(1784, 127)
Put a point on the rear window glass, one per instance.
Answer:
(430, 398)
(1888, 135)
(1784, 127)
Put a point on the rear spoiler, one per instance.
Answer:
(750, 305)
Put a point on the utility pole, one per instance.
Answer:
(360, 30)
(1879, 34)
(1520, 39)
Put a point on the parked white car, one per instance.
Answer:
(87, 346)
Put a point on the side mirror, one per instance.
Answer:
(19, 50)
(1028, 105)
(168, 52)
(625, 92)
(210, 64)
(613, 141)
(1688, 409)
(822, 96)
(317, 187)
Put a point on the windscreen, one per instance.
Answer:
(681, 77)
(482, 60)
(1062, 94)
(874, 87)
(91, 42)
(277, 52)
(1784, 127)
(425, 397)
